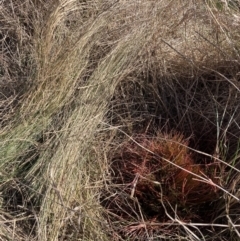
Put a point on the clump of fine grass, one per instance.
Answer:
(78, 77)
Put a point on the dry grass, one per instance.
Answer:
(80, 80)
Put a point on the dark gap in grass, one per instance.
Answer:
(18, 203)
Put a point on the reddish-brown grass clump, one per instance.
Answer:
(160, 174)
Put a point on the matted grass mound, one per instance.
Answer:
(85, 83)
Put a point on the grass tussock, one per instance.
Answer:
(119, 120)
